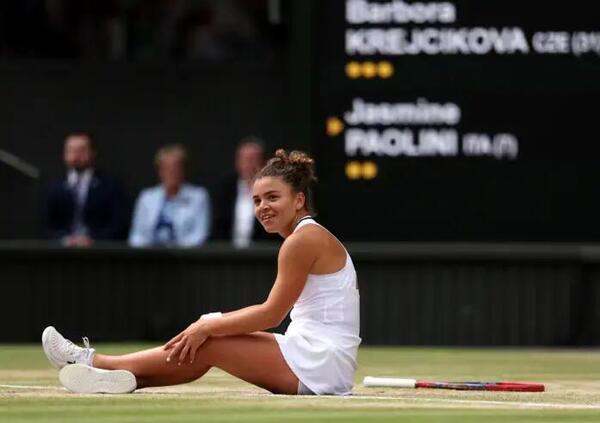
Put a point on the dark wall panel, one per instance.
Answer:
(467, 303)
(410, 295)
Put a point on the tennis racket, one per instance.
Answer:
(392, 382)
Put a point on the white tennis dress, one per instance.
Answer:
(321, 342)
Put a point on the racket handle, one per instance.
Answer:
(389, 382)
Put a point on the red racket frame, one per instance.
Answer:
(482, 386)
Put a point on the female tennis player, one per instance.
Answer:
(316, 280)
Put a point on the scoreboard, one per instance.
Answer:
(458, 120)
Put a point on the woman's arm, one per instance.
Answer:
(296, 258)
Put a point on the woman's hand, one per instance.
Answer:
(187, 342)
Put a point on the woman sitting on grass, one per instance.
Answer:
(316, 280)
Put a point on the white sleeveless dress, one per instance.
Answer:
(321, 342)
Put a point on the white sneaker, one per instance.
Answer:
(84, 379)
(61, 351)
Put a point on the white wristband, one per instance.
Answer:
(211, 316)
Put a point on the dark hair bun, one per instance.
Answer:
(299, 160)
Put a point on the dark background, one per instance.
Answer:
(145, 97)
(549, 193)
(281, 85)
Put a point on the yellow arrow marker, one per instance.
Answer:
(353, 170)
(353, 70)
(369, 170)
(385, 69)
(334, 126)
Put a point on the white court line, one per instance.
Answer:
(374, 397)
(487, 402)
(518, 404)
(31, 387)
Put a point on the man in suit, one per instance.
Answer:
(234, 217)
(87, 204)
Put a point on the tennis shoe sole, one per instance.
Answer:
(83, 379)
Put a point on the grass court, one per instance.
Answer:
(30, 391)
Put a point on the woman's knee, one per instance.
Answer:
(214, 350)
(207, 352)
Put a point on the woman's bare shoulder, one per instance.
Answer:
(314, 232)
(308, 236)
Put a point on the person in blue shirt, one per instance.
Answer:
(173, 213)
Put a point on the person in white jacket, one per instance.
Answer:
(173, 213)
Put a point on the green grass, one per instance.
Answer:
(572, 378)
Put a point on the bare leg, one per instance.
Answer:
(151, 369)
(255, 358)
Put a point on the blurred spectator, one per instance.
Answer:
(87, 204)
(172, 213)
(234, 217)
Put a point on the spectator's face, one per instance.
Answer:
(78, 152)
(249, 160)
(171, 171)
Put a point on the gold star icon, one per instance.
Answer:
(385, 69)
(369, 170)
(369, 70)
(353, 70)
(353, 170)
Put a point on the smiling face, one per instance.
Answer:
(276, 205)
